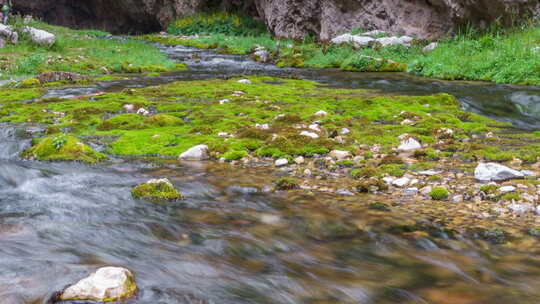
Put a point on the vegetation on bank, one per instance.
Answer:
(270, 118)
(498, 55)
(81, 51)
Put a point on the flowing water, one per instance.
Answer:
(230, 241)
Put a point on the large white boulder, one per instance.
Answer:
(199, 152)
(40, 37)
(107, 284)
(495, 172)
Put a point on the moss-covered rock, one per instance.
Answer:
(286, 183)
(157, 190)
(163, 120)
(63, 147)
(439, 193)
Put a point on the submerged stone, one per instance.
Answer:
(157, 189)
(107, 284)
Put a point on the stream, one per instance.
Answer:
(232, 242)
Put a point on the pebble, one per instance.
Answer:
(307, 172)
(281, 162)
(345, 192)
(426, 190)
(401, 182)
(224, 101)
(507, 189)
(314, 127)
(321, 113)
(411, 191)
(340, 155)
(429, 172)
(262, 126)
(299, 160)
(344, 131)
(458, 198)
(309, 134)
(244, 81)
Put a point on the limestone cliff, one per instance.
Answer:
(289, 18)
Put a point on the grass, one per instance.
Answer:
(497, 55)
(81, 51)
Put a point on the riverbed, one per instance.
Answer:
(231, 240)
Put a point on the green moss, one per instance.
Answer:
(234, 155)
(156, 190)
(122, 122)
(286, 183)
(396, 170)
(30, 83)
(511, 197)
(163, 120)
(63, 148)
(365, 172)
(489, 189)
(439, 193)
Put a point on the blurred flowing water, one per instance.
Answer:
(230, 241)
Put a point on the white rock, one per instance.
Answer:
(262, 126)
(270, 219)
(321, 113)
(344, 192)
(315, 127)
(358, 41)
(8, 33)
(388, 41)
(244, 81)
(143, 111)
(279, 116)
(507, 189)
(344, 131)
(407, 122)
(374, 33)
(107, 283)
(401, 182)
(309, 134)
(429, 172)
(458, 198)
(537, 210)
(409, 144)
(281, 162)
(224, 135)
(307, 172)
(388, 180)
(262, 55)
(40, 37)
(495, 172)
(224, 101)
(426, 190)
(129, 108)
(528, 173)
(430, 47)
(299, 160)
(340, 155)
(199, 152)
(160, 181)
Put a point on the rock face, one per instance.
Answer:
(295, 19)
(107, 284)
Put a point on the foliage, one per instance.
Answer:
(217, 23)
